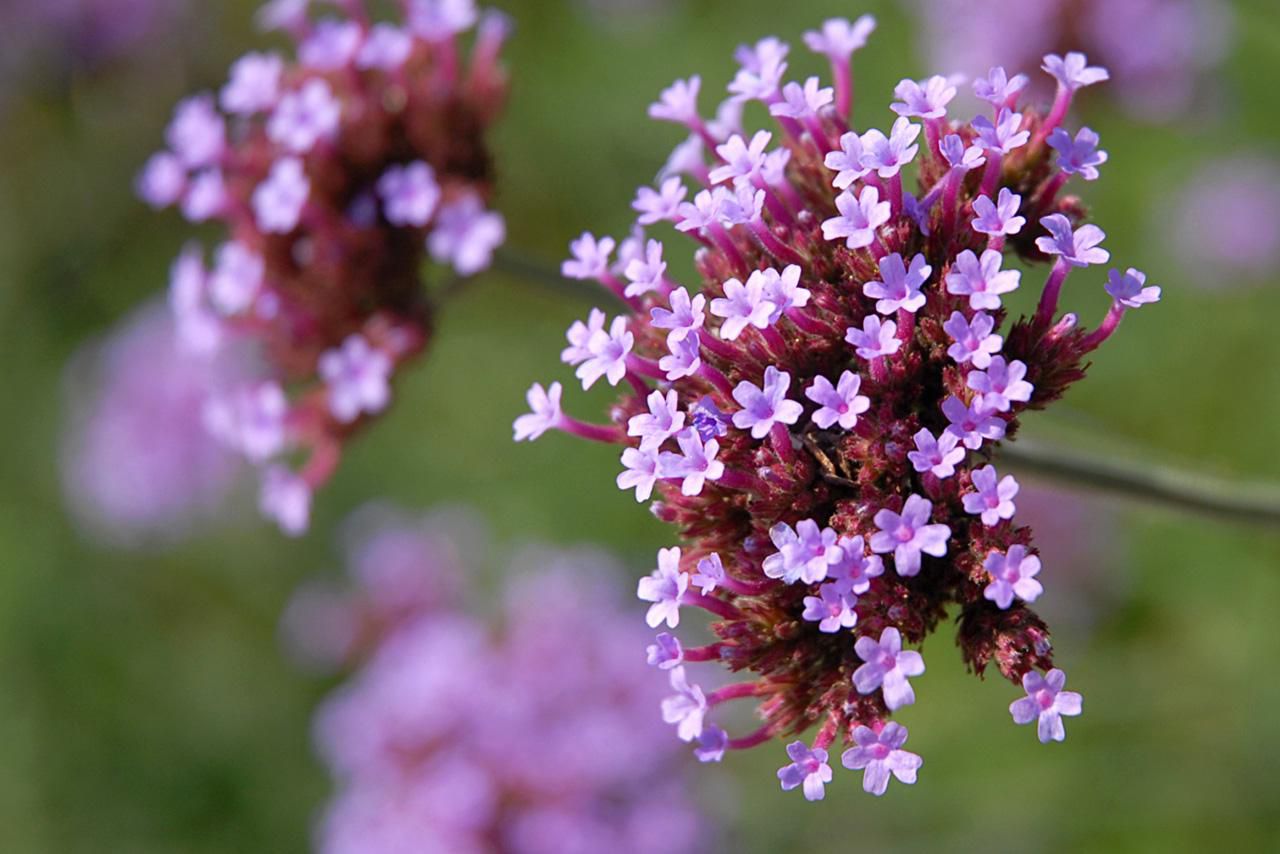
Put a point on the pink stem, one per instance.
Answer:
(1052, 288)
(1109, 325)
(608, 434)
(719, 607)
(738, 691)
(842, 73)
(758, 737)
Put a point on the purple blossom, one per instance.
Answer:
(285, 498)
(765, 405)
(357, 377)
(254, 85)
(1073, 71)
(1131, 289)
(742, 306)
(409, 194)
(1012, 574)
(685, 358)
(958, 156)
(908, 534)
(646, 273)
(742, 161)
(847, 161)
(1004, 135)
(678, 103)
(579, 334)
(710, 573)
(899, 288)
(832, 609)
(981, 280)
(236, 279)
(162, 180)
(799, 102)
(875, 338)
(702, 212)
(1079, 156)
(708, 420)
(997, 88)
(305, 117)
(206, 196)
(197, 134)
(853, 570)
(544, 412)
(279, 200)
(198, 330)
(998, 218)
(808, 768)
(686, 708)
(783, 290)
(466, 235)
(331, 45)
(1078, 248)
(927, 100)
(887, 666)
(590, 257)
(665, 652)
(712, 744)
(640, 471)
(663, 420)
(687, 158)
(937, 456)
(881, 755)
(804, 554)
(839, 404)
(744, 204)
(288, 15)
(607, 354)
(974, 339)
(859, 218)
(887, 155)
(660, 205)
(250, 419)
(441, 20)
(683, 318)
(1046, 703)
(972, 423)
(665, 588)
(761, 73)
(1001, 384)
(387, 48)
(991, 499)
(838, 38)
(694, 465)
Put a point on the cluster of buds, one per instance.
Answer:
(336, 174)
(572, 758)
(819, 420)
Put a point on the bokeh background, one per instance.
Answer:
(145, 703)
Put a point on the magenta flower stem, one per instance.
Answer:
(773, 245)
(740, 481)
(842, 73)
(780, 438)
(1049, 298)
(1109, 325)
(717, 379)
(737, 691)
(991, 177)
(607, 434)
(1061, 103)
(614, 284)
(719, 607)
(710, 652)
(760, 736)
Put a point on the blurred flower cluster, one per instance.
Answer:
(519, 720)
(336, 174)
(819, 419)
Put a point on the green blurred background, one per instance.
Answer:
(145, 705)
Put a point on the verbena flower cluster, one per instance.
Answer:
(819, 417)
(570, 759)
(335, 173)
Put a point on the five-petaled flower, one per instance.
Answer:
(808, 768)
(1012, 574)
(664, 587)
(1045, 704)
(909, 534)
(879, 755)
(886, 667)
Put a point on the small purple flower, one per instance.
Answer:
(466, 235)
(783, 290)
(765, 405)
(678, 102)
(197, 134)
(441, 20)
(959, 157)
(683, 318)
(1012, 574)
(808, 768)
(279, 200)
(641, 471)
(1001, 384)
(832, 609)
(686, 708)
(1004, 135)
(685, 357)
(799, 102)
(761, 73)
(981, 280)
(742, 161)
(887, 667)
(387, 48)
(331, 45)
(972, 423)
(881, 755)
(663, 420)
(1073, 71)
(859, 218)
(708, 420)
(357, 377)
(285, 498)
(710, 573)
(647, 273)
(899, 288)
(250, 420)
(974, 340)
(590, 257)
(839, 404)
(908, 534)
(926, 100)
(1046, 703)
(661, 205)
(875, 338)
(305, 117)
(847, 161)
(254, 85)
(887, 155)
(702, 212)
(997, 88)
(695, 464)
(162, 180)
(664, 587)
(665, 652)
(544, 412)
(804, 554)
(839, 39)
(1078, 248)
(579, 334)
(1131, 289)
(938, 456)
(853, 570)
(1079, 156)
(712, 743)
(998, 218)
(607, 354)
(409, 194)
(206, 196)
(992, 499)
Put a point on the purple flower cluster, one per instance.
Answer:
(571, 757)
(336, 175)
(819, 417)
